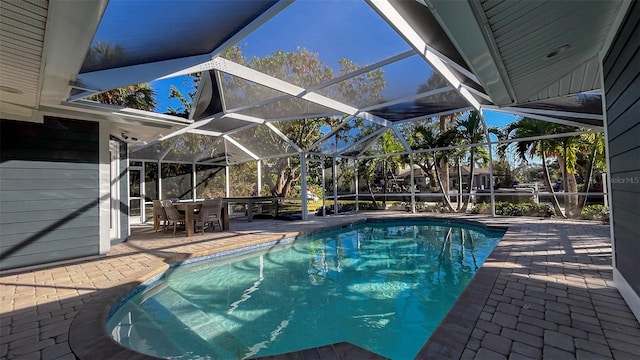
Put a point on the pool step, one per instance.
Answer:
(141, 330)
(199, 323)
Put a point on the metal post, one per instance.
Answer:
(303, 185)
(493, 194)
(143, 194)
(226, 180)
(259, 177)
(324, 193)
(357, 185)
(193, 181)
(413, 188)
(159, 177)
(335, 187)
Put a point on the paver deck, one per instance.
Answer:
(545, 292)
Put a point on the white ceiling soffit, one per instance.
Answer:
(70, 29)
(22, 32)
(136, 127)
(521, 49)
(583, 78)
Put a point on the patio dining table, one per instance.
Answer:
(190, 208)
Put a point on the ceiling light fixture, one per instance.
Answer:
(10, 90)
(557, 51)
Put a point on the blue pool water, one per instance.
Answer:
(383, 286)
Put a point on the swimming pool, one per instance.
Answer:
(384, 286)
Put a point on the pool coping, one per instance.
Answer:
(89, 339)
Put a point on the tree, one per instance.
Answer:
(591, 143)
(437, 81)
(470, 131)
(303, 68)
(526, 127)
(140, 96)
(429, 137)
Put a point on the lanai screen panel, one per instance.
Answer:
(238, 92)
(137, 32)
(263, 142)
(311, 42)
(355, 131)
(290, 108)
(235, 155)
(586, 103)
(438, 104)
(400, 79)
(188, 147)
(225, 124)
(152, 152)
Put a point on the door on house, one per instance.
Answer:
(136, 197)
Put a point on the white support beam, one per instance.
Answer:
(357, 184)
(409, 98)
(422, 117)
(397, 21)
(332, 132)
(376, 133)
(466, 23)
(335, 186)
(412, 184)
(259, 177)
(241, 147)
(303, 186)
(242, 117)
(205, 132)
(306, 116)
(363, 70)
(555, 113)
(193, 126)
(284, 137)
(401, 138)
(324, 193)
(260, 78)
(546, 118)
(374, 119)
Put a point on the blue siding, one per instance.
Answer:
(49, 191)
(621, 68)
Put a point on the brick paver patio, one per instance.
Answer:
(546, 292)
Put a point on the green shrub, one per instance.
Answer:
(512, 209)
(481, 208)
(595, 212)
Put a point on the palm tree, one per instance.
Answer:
(593, 143)
(140, 96)
(470, 132)
(427, 137)
(526, 127)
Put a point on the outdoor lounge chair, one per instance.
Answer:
(210, 213)
(160, 214)
(173, 216)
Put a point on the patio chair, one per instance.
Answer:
(173, 216)
(161, 215)
(210, 213)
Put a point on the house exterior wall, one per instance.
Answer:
(49, 191)
(621, 72)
